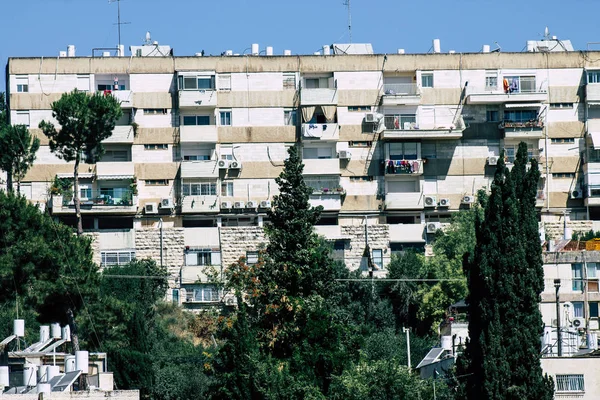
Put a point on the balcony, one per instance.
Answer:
(199, 169)
(532, 129)
(331, 201)
(403, 167)
(395, 94)
(404, 201)
(198, 98)
(398, 127)
(198, 134)
(407, 233)
(540, 198)
(121, 134)
(318, 166)
(107, 200)
(486, 95)
(320, 131)
(125, 97)
(592, 93)
(318, 97)
(592, 195)
(114, 170)
(331, 232)
(200, 204)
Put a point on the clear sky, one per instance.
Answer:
(44, 27)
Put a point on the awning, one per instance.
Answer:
(82, 175)
(595, 139)
(113, 177)
(522, 105)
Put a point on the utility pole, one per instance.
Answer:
(347, 4)
(558, 332)
(119, 23)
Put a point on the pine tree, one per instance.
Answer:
(505, 279)
(17, 152)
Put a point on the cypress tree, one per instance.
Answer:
(505, 279)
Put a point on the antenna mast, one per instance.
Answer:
(119, 23)
(347, 4)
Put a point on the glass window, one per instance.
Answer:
(378, 258)
(22, 118)
(225, 118)
(155, 111)
(156, 182)
(400, 121)
(251, 257)
(227, 189)
(520, 115)
(491, 81)
(158, 146)
(403, 151)
(359, 108)
(290, 117)
(205, 83)
(428, 150)
(576, 275)
(85, 192)
(427, 79)
(205, 293)
(175, 295)
(593, 309)
(593, 76)
(492, 116)
(570, 383)
(578, 309)
(289, 80)
(22, 84)
(190, 188)
(116, 257)
(190, 83)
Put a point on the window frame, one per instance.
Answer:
(377, 259)
(154, 111)
(199, 188)
(252, 257)
(126, 254)
(570, 383)
(225, 117)
(290, 117)
(427, 79)
(227, 189)
(156, 182)
(156, 146)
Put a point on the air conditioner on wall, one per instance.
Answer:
(493, 160)
(444, 203)
(430, 201)
(239, 204)
(166, 203)
(226, 204)
(370, 117)
(468, 199)
(151, 208)
(223, 164)
(579, 322)
(235, 165)
(251, 204)
(432, 227)
(576, 194)
(344, 154)
(265, 204)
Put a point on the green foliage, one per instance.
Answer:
(505, 279)
(17, 152)
(585, 236)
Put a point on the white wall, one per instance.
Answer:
(152, 82)
(266, 81)
(140, 155)
(368, 80)
(257, 117)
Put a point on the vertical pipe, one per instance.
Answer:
(160, 221)
(558, 332)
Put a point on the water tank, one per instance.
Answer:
(82, 361)
(106, 54)
(326, 50)
(228, 52)
(452, 52)
(19, 327)
(62, 53)
(66, 333)
(437, 47)
(43, 388)
(255, 49)
(121, 50)
(287, 52)
(269, 50)
(53, 370)
(531, 44)
(447, 343)
(55, 331)
(44, 333)
(401, 51)
(4, 377)
(29, 375)
(198, 54)
(71, 50)
(317, 53)
(485, 48)
(70, 363)
(42, 373)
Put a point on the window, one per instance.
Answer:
(403, 151)
(175, 296)
(359, 108)
(202, 257)
(400, 121)
(85, 192)
(578, 309)
(199, 188)
(492, 116)
(227, 189)
(519, 84)
(361, 179)
(118, 257)
(317, 83)
(428, 150)
(155, 111)
(323, 183)
(196, 157)
(159, 146)
(556, 106)
(204, 293)
(593, 273)
(224, 81)
(22, 84)
(563, 175)
(317, 153)
(116, 155)
(570, 383)
(378, 258)
(290, 117)
(83, 83)
(196, 120)
(576, 275)
(204, 82)
(156, 182)
(251, 257)
(22, 118)
(491, 80)
(520, 115)
(356, 143)
(109, 87)
(593, 76)
(593, 309)
(511, 150)
(225, 118)
(117, 195)
(427, 79)
(562, 140)
(289, 80)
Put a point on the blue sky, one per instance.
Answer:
(189, 26)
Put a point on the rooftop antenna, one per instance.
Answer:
(347, 4)
(119, 23)
(546, 34)
(148, 39)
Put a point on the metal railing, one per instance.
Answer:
(402, 167)
(534, 123)
(400, 122)
(324, 186)
(103, 197)
(400, 89)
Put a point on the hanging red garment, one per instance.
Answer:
(506, 85)
(396, 123)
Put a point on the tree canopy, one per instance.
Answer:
(17, 152)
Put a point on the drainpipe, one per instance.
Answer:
(558, 332)
(160, 226)
(585, 295)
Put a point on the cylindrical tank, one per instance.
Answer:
(66, 333)
(317, 53)
(198, 54)
(531, 46)
(82, 361)
(42, 373)
(70, 363)
(55, 331)
(29, 375)
(4, 377)
(44, 333)
(401, 51)
(53, 370)
(255, 49)
(287, 52)
(437, 47)
(269, 50)
(452, 52)
(447, 343)
(485, 48)
(121, 50)
(228, 52)
(326, 50)
(71, 50)
(106, 54)
(43, 388)
(62, 53)
(19, 327)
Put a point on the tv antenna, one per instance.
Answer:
(119, 23)
(347, 4)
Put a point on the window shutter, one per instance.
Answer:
(224, 82)
(216, 258)
(191, 259)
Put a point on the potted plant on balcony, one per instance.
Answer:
(133, 187)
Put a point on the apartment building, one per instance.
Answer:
(392, 144)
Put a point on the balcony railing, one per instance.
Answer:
(531, 124)
(400, 89)
(400, 122)
(320, 131)
(104, 197)
(403, 167)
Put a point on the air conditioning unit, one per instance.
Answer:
(239, 204)
(230, 301)
(151, 208)
(223, 164)
(444, 203)
(226, 204)
(265, 204)
(430, 201)
(235, 165)
(344, 154)
(579, 323)
(576, 194)
(432, 227)
(251, 204)
(41, 207)
(167, 203)
(468, 199)
(493, 160)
